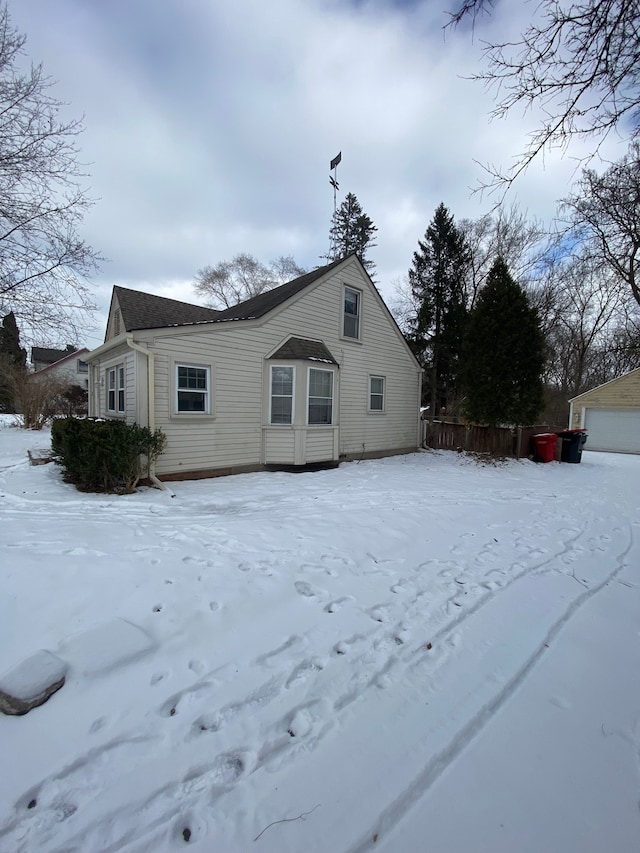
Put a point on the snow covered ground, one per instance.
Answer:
(411, 654)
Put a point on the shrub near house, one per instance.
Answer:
(104, 455)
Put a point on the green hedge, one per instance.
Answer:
(104, 455)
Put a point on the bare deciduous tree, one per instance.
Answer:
(578, 61)
(588, 305)
(604, 211)
(506, 234)
(36, 398)
(231, 282)
(43, 262)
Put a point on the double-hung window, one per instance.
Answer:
(115, 389)
(351, 316)
(192, 388)
(376, 393)
(320, 409)
(282, 383)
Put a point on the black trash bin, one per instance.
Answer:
(573, 440)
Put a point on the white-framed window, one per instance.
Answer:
(281, 394)
(352, 313)
(83, 367)
(320, 396)
(376, 393)
(192, 388)
(116, 389)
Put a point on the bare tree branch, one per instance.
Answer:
(578, 62)
(231, 282)
(604, 211)
(44, 264)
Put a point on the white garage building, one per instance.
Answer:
(610, 414)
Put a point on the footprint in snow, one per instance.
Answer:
(344, 646)
(303, 671)
(97, 725)
(334, 606)
(306, 590)
(380, 613)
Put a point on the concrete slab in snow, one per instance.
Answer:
(31, 682)
(106, 647)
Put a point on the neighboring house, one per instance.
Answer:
(63, 365)
(42, 357)
(309, 373)
(610, 414)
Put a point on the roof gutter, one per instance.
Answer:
(151, 401)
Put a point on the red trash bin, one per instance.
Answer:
(545, 446)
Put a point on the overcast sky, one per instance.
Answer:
(210, 125)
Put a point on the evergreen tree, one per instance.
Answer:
(13, 358)
(10, 348)
(437, 279)
(503, 355)
(352, 231)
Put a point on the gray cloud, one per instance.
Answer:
(210, 126)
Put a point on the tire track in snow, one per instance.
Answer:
(465, 735)
(393, 667)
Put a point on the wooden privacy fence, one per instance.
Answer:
(499, 441)
(443, 435)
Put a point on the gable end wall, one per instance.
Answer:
(622, 393)
(234, 435)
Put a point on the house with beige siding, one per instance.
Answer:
(610, 414)
(68, 366)
(311, 373)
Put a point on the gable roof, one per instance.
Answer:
(65, 357)
(301, 349)
(47, 354)
(260, 305)
(146, 311)
(610, 382)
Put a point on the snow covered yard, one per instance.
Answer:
(412, 654)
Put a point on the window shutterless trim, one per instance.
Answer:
(378, 395)
(193, 382)
(351, 319)
(318, 397)
(291, 396)
(116, 381)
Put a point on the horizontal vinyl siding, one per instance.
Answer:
(121, 355)
(319, 445)
(380, 352)
(618, 394)
(237, 352)
(279, 446)
(232, 436)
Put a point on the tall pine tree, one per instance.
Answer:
(352, 231)
(437, 279)
(503, 355)
(12, 358)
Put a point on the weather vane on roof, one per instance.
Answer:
(333, 180)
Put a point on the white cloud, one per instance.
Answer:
(210, 126)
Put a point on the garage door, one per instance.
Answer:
(613, 429)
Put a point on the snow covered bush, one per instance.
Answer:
(104, 455)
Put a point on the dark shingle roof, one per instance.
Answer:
(145, 311)
(260, 305)
(300, 349)
(49, 356)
